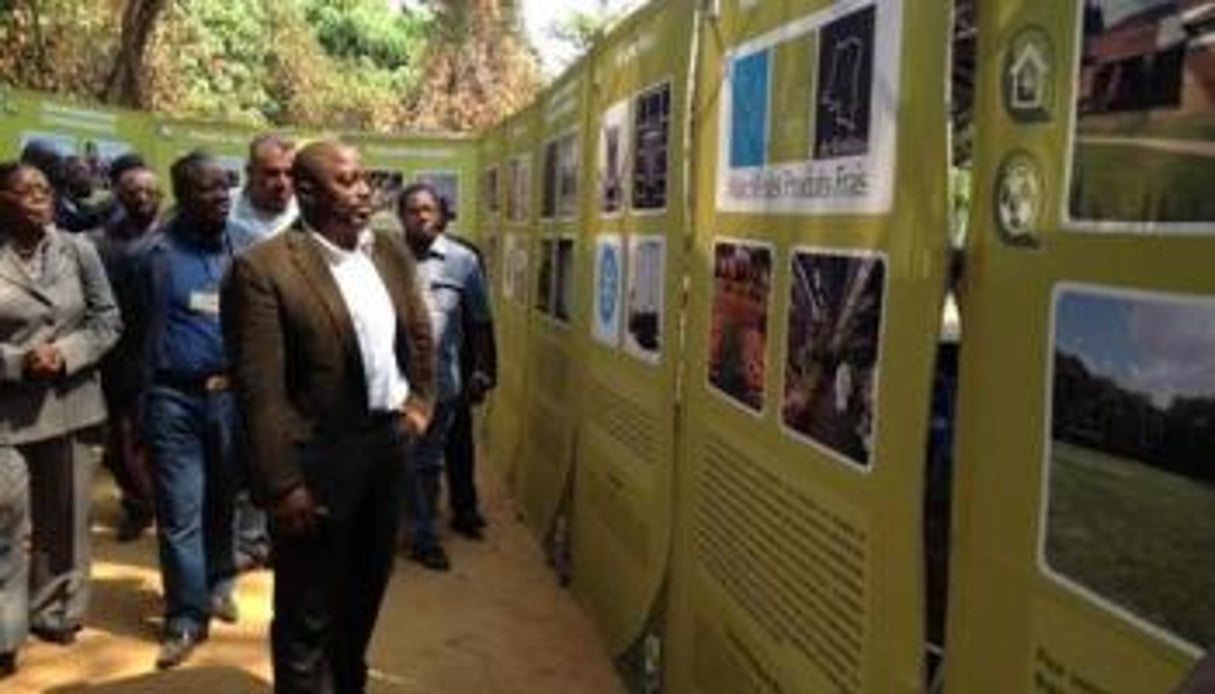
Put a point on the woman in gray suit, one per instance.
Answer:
(57, 319)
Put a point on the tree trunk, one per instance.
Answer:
(124, 87)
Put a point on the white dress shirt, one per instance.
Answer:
(375, 319)
(248, 225)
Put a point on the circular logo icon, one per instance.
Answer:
(609, 283)
(1018, 203)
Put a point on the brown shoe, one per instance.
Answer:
(8, 664)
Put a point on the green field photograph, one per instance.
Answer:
(1129, 512)
(1143, 144)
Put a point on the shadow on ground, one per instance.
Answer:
(211, 680)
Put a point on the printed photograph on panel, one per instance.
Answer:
(98, 155)
(1131, 480)
(613, 164)
(567, 176)
(644, 306)
(386, 186)
(447, 185)
(559, 197)
(546, 276)
(491, 251)
(548, 181)
(651, 130)
(1143, 140)
(845, 91)
(738, 324)
(518, 189)
(804, 127)
(515, 268)
(608, 278)
(831, 358)
(563, 290)
(62, 144)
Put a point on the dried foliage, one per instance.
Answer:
(478, 68)
(61, 46)
(351, 64)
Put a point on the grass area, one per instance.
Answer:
(1142, 538)
(1150, 124)
(1113, 182)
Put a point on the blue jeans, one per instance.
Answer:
(425, 467)
(190, 437)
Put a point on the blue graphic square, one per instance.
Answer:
(749, 110)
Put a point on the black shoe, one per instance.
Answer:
(8, 664)
(469, 527)
(224, 608)
(433, 558)
(252, 560)
(63, 636)
(132, 526)
(176, 648)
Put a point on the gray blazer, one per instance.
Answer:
(71, 306)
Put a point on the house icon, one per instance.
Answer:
(1028, 76)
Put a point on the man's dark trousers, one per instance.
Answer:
(329, 583)
(460, 462)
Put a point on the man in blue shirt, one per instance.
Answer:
(118, 243)
(188, 413)
(454, 288)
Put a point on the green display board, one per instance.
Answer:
(1085, 513)
(556, 314)
(816, 282)
(447, 163)
(94, 133)
(516, 138)
(227, 143)
(637, 213)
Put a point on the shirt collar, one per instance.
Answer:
(439, 248)
(244, 211)
(177, 230)
(334, 253)
(49, 237)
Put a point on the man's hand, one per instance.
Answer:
(44, 362)
(479, 385)
(295, 513)
(415, 417)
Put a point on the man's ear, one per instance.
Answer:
(305, 191)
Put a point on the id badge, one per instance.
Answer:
(205, 302)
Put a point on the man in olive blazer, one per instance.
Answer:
(330, 394)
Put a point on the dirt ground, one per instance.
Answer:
(497, 623)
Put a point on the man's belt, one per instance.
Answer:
(209, 383)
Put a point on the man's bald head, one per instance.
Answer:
(314, 157)
(332, 189)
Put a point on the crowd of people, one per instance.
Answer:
(274, 383)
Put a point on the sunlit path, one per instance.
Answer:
(498, 622)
